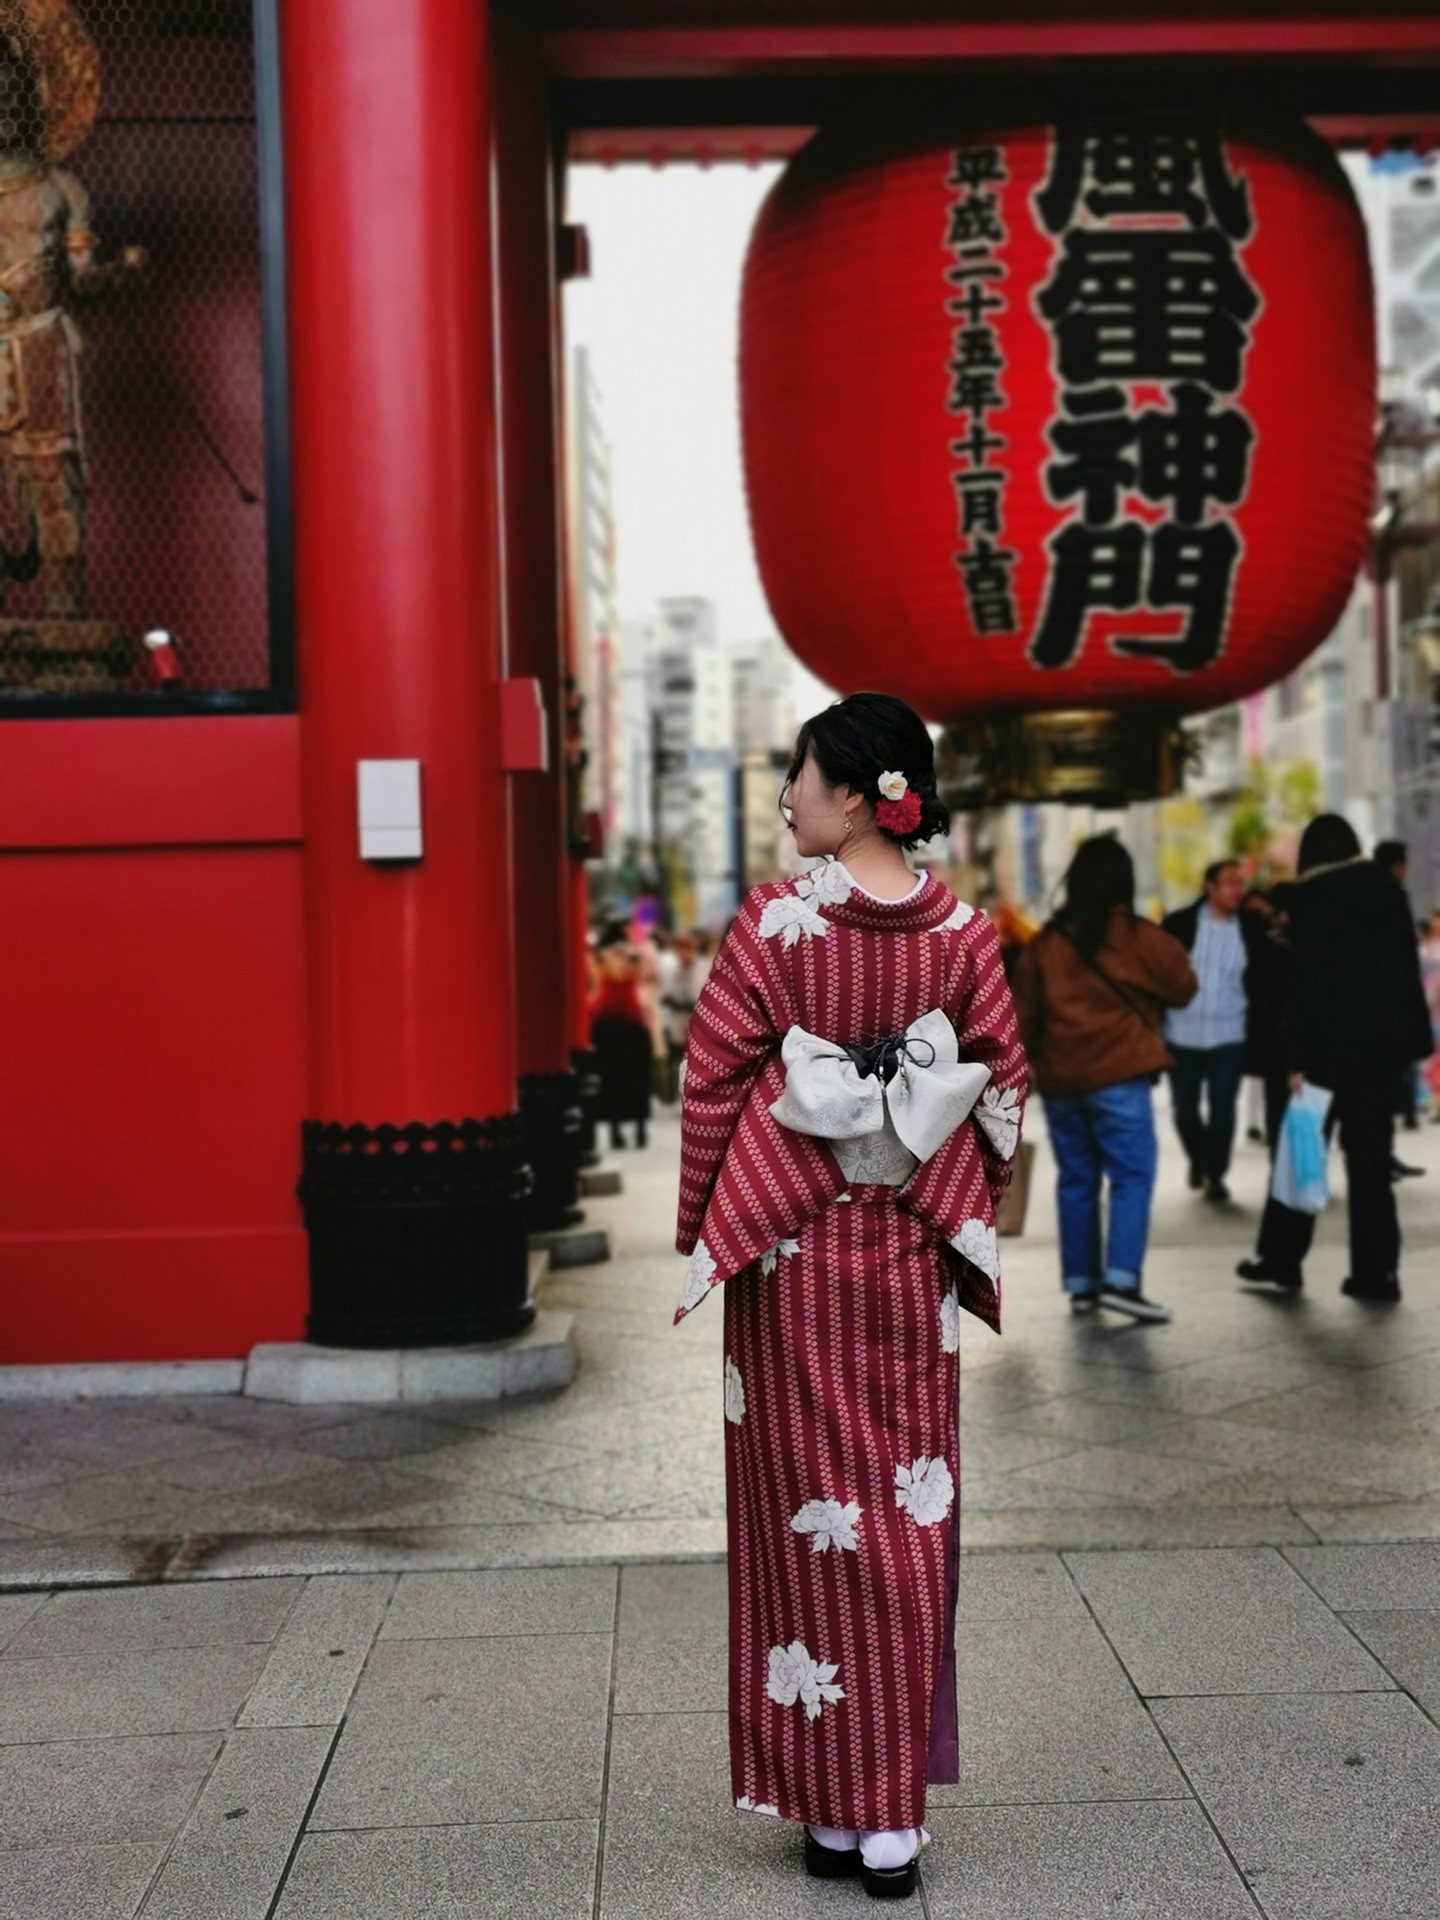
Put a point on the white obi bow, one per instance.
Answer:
(931, 1092)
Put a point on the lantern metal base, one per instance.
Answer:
(1100, 759)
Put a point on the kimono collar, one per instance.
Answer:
(919, 912)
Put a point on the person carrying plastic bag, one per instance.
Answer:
(1299, 1180)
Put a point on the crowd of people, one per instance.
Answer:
(1320, 980)
(644, 983)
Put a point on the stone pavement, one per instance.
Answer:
(260, 1662)
(1250, 1420)
(1198, 1734)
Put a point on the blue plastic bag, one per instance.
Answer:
(1299, 1178)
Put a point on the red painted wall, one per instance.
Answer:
(151, 955)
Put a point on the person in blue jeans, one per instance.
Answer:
(1090, 991)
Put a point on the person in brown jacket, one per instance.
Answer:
(1089, 991)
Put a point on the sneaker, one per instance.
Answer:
(1379, 1293)
(1216, 1190)
(1084, 1302)
(1260, 1273)
(1130, 1300)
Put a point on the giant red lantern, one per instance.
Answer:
(1073, 422)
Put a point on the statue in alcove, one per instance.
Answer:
(49, 94)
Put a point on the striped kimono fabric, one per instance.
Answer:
(843, 1377)
(842, 1328)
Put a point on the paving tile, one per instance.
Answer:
(319, 1654)
(1327, 1801)
(391, 1435)
(428, 1549)
(159, 1690)
(445, 1873)
(25, 1465)
(1111, 1862)
(76, 1883)
(257, 1420)
(1075, 1529)
(445, 1606)
(1232, 1621)
(337, 1494)
(1016, 1586)
(236, 1464)
(1376, 1522)
(228, 1861)
(1116, 1476)
(1407, 1644)
(126, 1619)
(121, 1502)
(15, 1610)
(46, 1562)
(672, 1654)
(103, 1434)
(1046, 1713)
(1372, 1577)
(75, 1792)
(674, 1845)
(453, 1730)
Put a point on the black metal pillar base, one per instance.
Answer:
(586, 1063)
(551, 1120)
(417, 1233)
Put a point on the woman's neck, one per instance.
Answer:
(879, 867)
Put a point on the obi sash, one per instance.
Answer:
(911, 1091)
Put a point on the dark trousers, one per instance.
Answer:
(1214, 1072)
(1364, 1108)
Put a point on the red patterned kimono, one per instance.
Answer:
(847, 1261)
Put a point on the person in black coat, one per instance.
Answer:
(1356, 1014)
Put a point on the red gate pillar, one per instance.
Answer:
(531, 479)
(414, 1177)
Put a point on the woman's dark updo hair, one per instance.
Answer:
(865, 735)
(1329, 838)
(1100, 877)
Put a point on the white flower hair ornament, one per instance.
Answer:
(892, 785)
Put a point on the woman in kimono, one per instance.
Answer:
(851, 1104)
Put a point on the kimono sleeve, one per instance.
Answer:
(957, 1190)
(731, 1036)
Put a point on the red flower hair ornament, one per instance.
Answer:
(898, 808)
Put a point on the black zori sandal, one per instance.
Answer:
(829, 1863)
(890, 1883)
(894, 1883)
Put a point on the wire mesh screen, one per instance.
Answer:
(132, 516)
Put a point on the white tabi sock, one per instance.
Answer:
(882, 1851)
(838, 1839)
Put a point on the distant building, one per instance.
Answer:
(593, 588)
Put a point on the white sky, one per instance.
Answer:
(659, 314)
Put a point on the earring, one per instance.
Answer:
(849, 825)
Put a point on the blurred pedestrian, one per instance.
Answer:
(1089, 990)
(1267, 993)
(621, 1036)
(1393, 857)
(1356, 1015)
(683, 972)
(1207, 1038)
(1430, 980)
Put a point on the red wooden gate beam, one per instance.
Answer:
(1386, 37)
